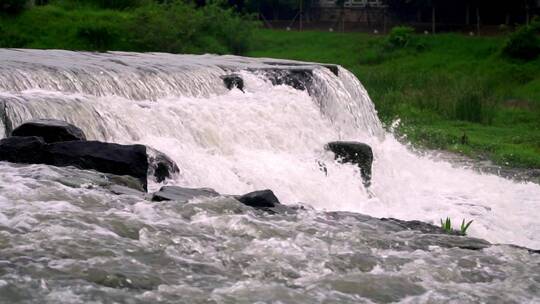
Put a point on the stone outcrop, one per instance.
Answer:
(160, 166)
(51, 130)
(181, 194)
(356, 153)
(58, 143)
(233, 81)
(259, 199)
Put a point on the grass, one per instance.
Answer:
(446, 226)
(454, 92)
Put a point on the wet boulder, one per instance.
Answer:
(356, 153)
(26, 150)
(298, 78)
(160, 166)
(51, 130)
(103, 157)
(259, 199)
(233, 81)
(181, 194)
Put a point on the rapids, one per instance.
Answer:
(269, 136)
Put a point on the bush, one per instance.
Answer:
(524, 43)
(98, 36)
(12, 6)
(106, 4)
(178, 27)
(9, 39)
(400, 37)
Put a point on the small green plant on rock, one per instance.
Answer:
(464, 226)
(446, 226)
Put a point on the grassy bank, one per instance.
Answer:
(450, 91)
(146, 26)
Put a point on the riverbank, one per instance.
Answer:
(454, 93)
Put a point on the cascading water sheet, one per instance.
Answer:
(64, 240)
(268, 137)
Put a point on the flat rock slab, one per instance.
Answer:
(103, 157)
(51, 130)
(181, 194)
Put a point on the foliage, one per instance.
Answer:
(11, 39)
(105, 4)
(99, 36)
(400, 37)
(12, 6)
(524, 43)
(464, 227)
(446, 225)
(184, 29)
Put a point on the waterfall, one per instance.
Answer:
(269, 136)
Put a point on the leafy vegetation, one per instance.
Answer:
(465, 226)
(133, 25)
(446, 226)
(524, 43)
(12, 6)
(458, 93)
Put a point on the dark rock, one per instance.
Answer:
(333, 68)
(259, 199)
(104, 157)
(300, 79)
(233, 81)
(51, 130)
(354, 152)
(27, 150)
(175, 193)
(419, 226)
(160, 166)
(124, 190)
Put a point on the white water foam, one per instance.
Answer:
(273, 137)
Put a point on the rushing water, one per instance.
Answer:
(69, 242)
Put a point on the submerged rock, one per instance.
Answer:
(51, 130)
(233, 81)
(160, 166)
(356, 153)
(259, 199)
(175, 193)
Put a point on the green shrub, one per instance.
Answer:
(400, 37)
(9, 39)
(98, 36)
(106, 4)
(178, 27)
(12, 6)
(524, 43)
